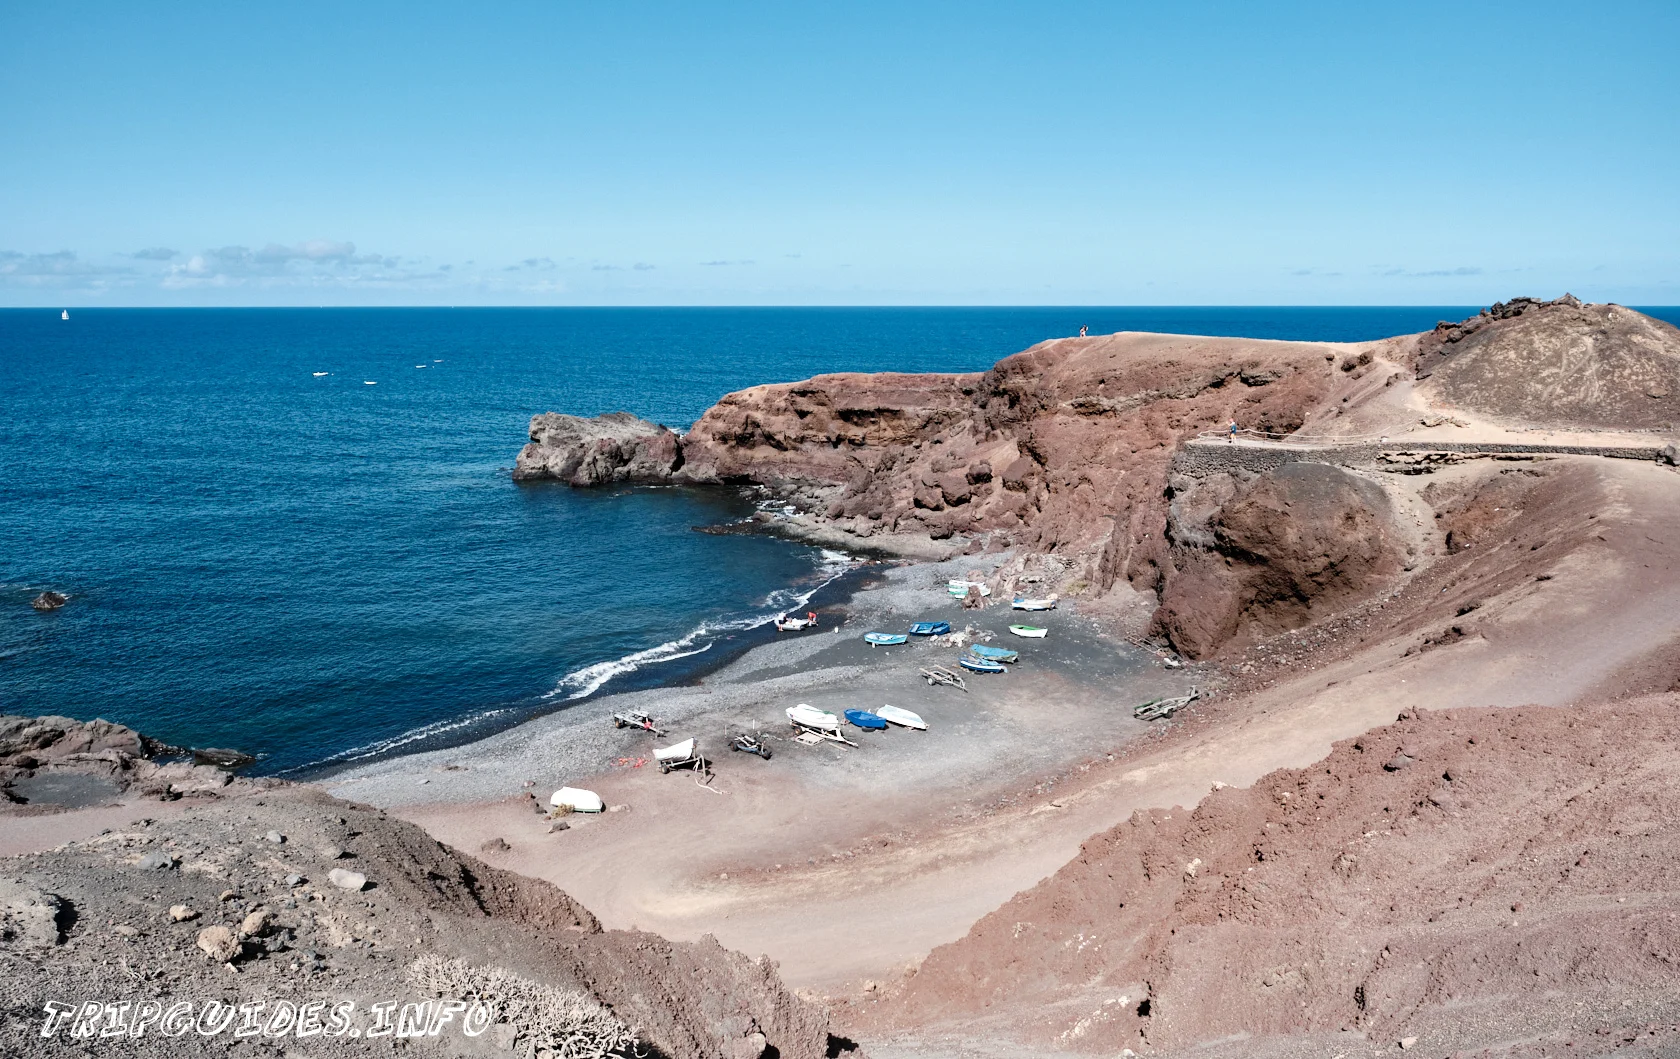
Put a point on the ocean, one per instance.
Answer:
(319, 568)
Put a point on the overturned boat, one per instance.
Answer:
(930, 628)
(865, 719)
(805, 715)
(1022, 603)
(677, 755)
(884, 639)
(577, 800)
(994, 654)
(902, 718)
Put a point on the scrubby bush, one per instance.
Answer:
(564, 1022)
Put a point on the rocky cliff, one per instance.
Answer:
(1062, 449)
(616, 447)
(282, 897)
(1066, 450)
(1273, 552)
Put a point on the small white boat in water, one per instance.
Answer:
(318, 374)
(369, 382)
(65, 315)
(808, 716)
(578, 800)
(902, 718)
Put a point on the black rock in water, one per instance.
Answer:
(49, 600)
(226, 759)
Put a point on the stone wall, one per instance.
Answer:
(1200, 458)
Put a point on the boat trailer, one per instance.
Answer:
(637, 719)
(946, 677)
(1156, 709)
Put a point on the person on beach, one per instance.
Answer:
(1082, 330)
(1233, 431)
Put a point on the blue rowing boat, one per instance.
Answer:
(883, 639)
(994, 654)
(865, 719)
(930, 628)
(980, 665)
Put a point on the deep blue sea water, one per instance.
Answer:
(313, 568)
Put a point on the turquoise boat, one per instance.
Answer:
(995, 654)
(884, 639)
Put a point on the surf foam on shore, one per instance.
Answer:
(581, 683)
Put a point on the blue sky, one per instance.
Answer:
(900, 153)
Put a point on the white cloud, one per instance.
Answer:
(56, 269)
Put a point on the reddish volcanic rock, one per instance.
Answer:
(1293, 544)
(1082, 429)
(616, 447)
(1066, 450)
(1558, 363)
(1455, 872)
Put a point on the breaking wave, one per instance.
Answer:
(584, 682)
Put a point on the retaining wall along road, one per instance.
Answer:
(1200, 457)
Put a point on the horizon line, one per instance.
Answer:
(66, 306)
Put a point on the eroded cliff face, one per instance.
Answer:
(616, 447)
(1062, 449)
(1256, 555)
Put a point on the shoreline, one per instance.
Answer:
(930, 820)
(580, 742)
(829, 597)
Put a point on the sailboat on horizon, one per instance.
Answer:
(65, 315)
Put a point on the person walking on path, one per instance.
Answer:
(1233, 432)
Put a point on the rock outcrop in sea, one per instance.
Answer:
(616, 447)
(49, 600)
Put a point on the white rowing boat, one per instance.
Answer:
(678, 752)
(807, 716)
(578, 800)
(902, 718)
(1020, 603)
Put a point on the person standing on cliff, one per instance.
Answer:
(1082, 330)
(1233, 432)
